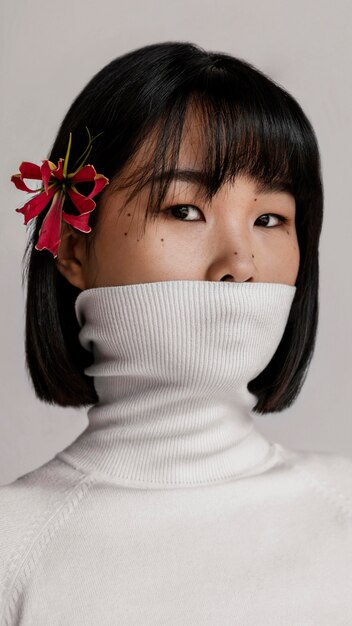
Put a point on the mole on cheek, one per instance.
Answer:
(235, 252)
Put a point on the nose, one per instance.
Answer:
(235, 262)
(238, 277)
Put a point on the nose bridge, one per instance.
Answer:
(233, 245)
(232, 229)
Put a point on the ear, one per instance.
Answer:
(71, 257)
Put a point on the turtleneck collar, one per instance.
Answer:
(172, 361)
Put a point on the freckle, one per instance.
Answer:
(125, 233)
(128, 214)
(161, 240)
(252, 256)
(255, 199)
(288, 232)
(235, 253)
(137, 239)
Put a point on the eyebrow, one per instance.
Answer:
(198, 177)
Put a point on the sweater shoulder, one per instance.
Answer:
(329, 472)
(31, 507)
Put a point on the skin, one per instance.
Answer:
(233, 238)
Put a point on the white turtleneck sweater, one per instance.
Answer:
(171, 508)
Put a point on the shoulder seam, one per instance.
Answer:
(333, 495)
(25, 558)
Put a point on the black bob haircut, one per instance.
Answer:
(251, 125)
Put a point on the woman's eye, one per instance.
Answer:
(183, 211)
(281, 219)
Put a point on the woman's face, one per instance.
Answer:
(236, 237)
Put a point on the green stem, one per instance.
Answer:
(64, 170)
(83, 158)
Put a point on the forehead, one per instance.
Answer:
(190, 166)
(190, 152)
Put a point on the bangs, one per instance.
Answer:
(240, 129)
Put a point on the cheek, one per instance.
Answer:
(291, 257)
(278, 258)
(130, 248)
(294, 247)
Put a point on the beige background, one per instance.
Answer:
(49, 50)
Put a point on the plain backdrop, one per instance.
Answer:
(49, 51)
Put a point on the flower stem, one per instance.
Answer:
(64, 169)
(82, 159)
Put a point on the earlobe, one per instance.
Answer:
(70, 260)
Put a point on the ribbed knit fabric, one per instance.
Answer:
(172, 361)
(172, 508)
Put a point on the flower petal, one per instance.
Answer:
(30, 170)
(46, 171)
(83, 203)
(100, 182)
(20, 184)
(85, 174)
(78, 221)
(36, 204)
(58, 173)
(50, 232)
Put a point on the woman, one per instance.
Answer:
(186, 301)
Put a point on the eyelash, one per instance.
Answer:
(282, 219)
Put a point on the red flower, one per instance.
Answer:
(56, 184)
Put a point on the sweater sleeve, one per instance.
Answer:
(28, 507)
